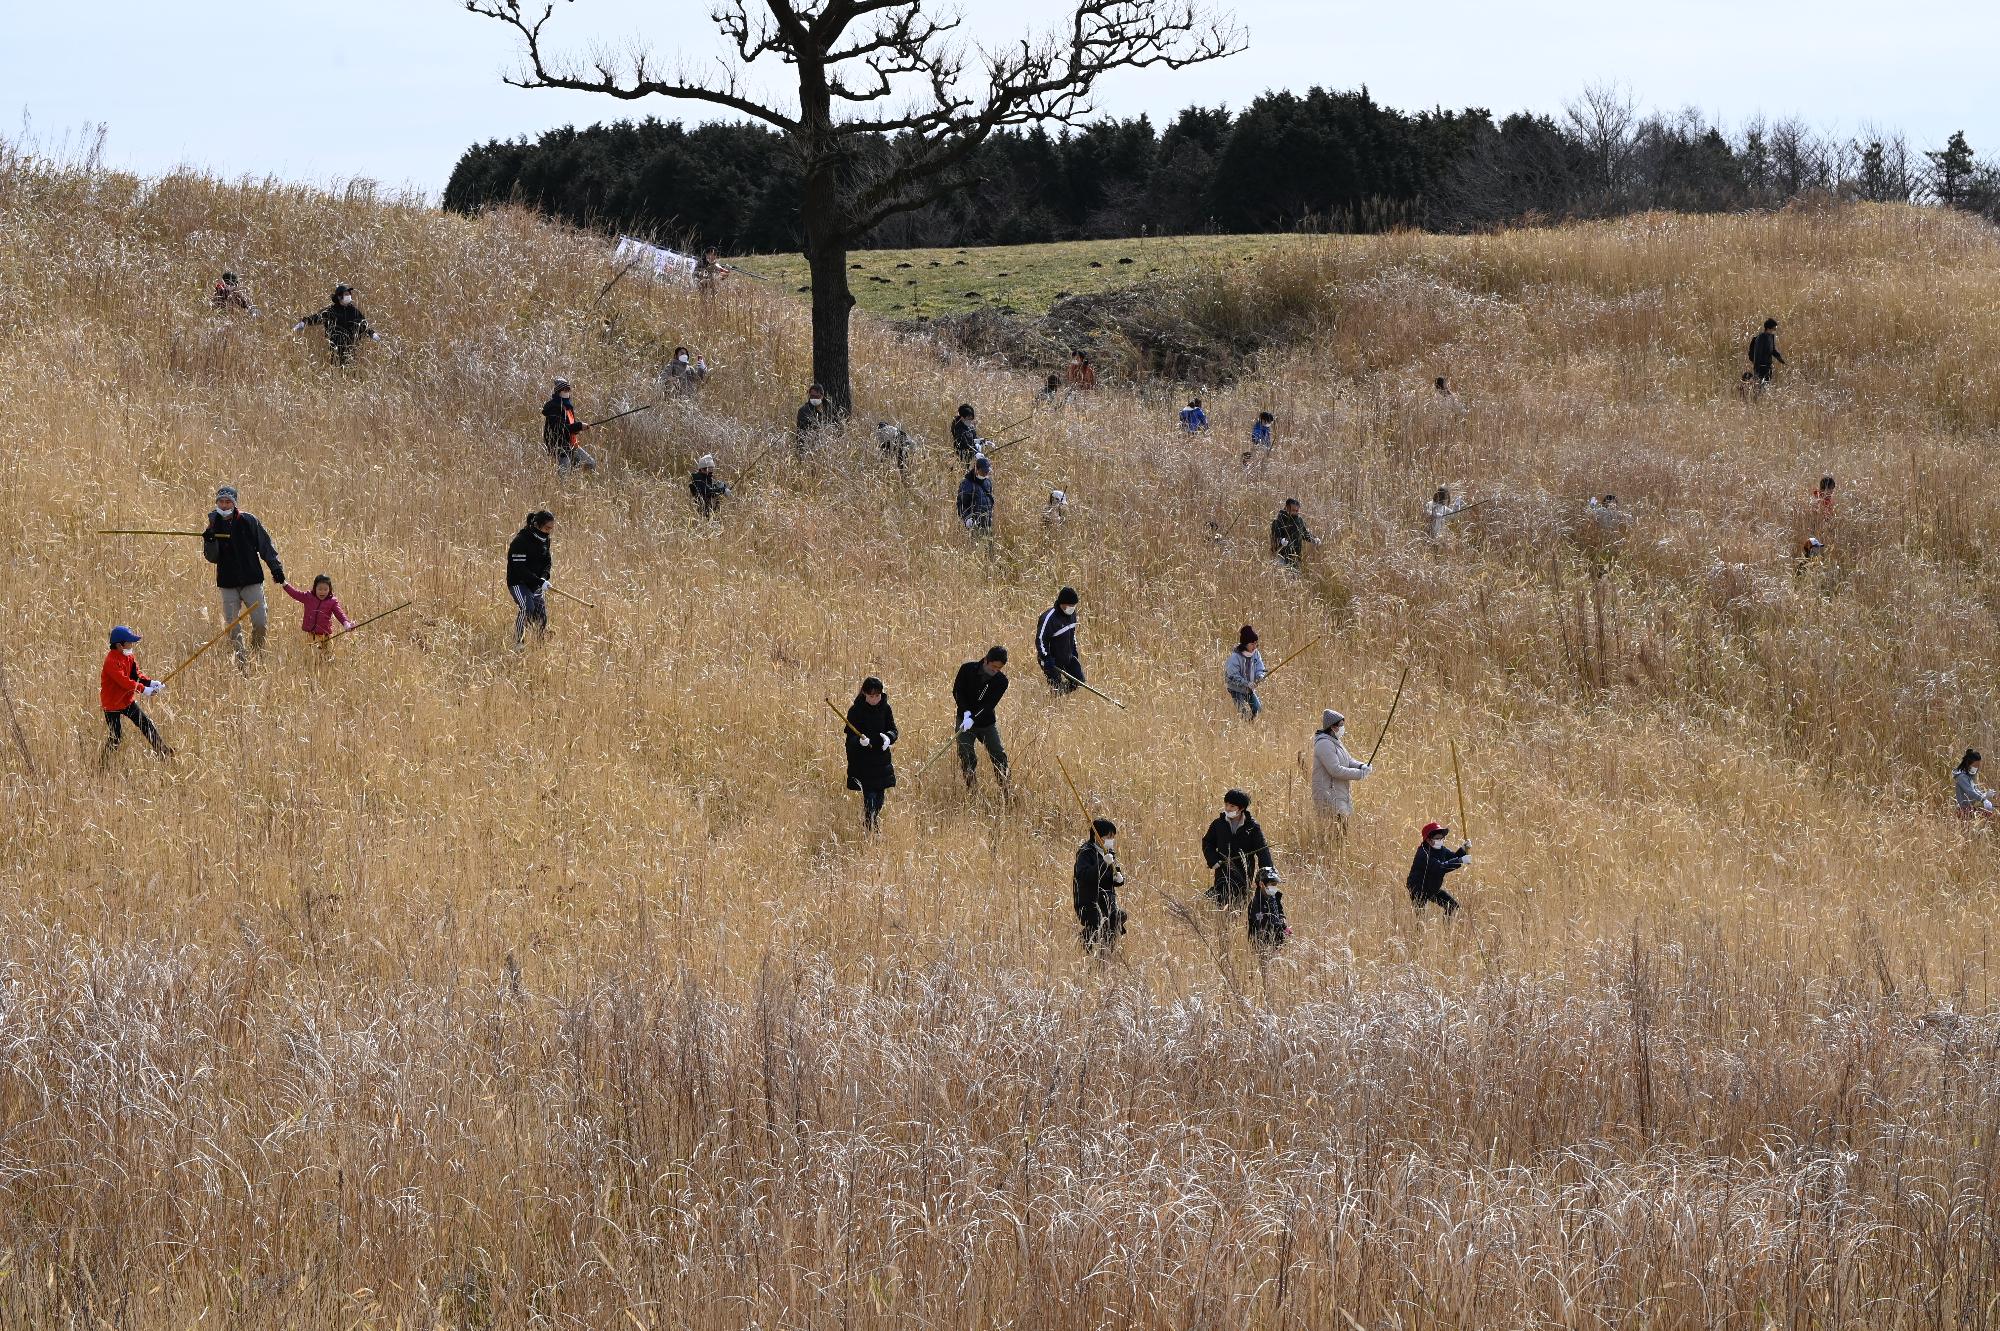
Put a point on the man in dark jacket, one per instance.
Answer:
(1763, 351)
(239, 547)
(560, 429)
(976, 692)
(707, 491)
(871, 733)
(965, 440)
(345, 324)
(1235, 849)
(1095, 885)
(529, 563)
(229, 295)
(1289, 537)
(1432, 863)
(975, 498)
(1055, 643)
(814, 419)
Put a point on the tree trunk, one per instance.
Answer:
(832, 303)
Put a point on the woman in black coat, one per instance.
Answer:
(870, 769)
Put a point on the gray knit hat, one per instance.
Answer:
(1329, 719)
(226, 492)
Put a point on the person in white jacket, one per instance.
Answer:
(1334, 769)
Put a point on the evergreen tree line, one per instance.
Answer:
(1321, 161)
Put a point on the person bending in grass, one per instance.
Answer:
(1432, 863)
(1974, 800)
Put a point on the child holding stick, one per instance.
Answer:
(323, 609)
(120, 685)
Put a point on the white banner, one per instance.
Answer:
(638, 253)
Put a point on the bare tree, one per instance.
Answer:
(1605, 119)
(888, 73)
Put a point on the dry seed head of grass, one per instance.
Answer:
(444, 983)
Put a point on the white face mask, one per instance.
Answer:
(128, 649)
(1437, 843)
(1111, 845)
(347, 300)
(221, 512)
(682, 358)
(815, 402)
(1232, 815)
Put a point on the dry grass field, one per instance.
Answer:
(444, 985)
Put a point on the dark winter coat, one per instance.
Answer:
(977, 692)
(1428, 869)
(1268, 927)
(1235, 855)
(872, 767)
(975, 500)
(707, 491)
(560, 427)
(1764, 350)
(239, 560)
(528, 559)
(811, 421)
(1095, 890)
(1289, 536)
(1055, 640)
(344, 324)
(964, 439)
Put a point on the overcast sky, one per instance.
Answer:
(396, 89)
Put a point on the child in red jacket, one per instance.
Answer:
(323, 609)
(119, 687)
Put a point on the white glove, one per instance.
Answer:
(884, 737)
(374, 337)
(156, 687)
(965, 722)
(299, 327)
(1368, 769)
(1988, 806)
(864, 741)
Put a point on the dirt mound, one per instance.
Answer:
(1137, 333)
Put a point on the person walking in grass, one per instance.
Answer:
(1439, 512)
(975, 498)
(1974, 800)
(344, 322)
(976, 692)
(1432, 863)
(870, 768)
(815, 418)
(1235, 851)
(1055, 643)
(965, 440)
(707, 491)
(1764, 354)
(322, 609)
(561, 429)
(1194, 420)
(529, 563)
(1094, 889)
(1082, 374)
(239, 547)
(120, 685)
(1243, 672)
(1334, 769)
(230, 295)
(1290, 537)
(1263, 442)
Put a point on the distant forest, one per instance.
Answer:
(1322, 161)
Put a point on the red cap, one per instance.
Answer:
(1432, 829)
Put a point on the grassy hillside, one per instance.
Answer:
(450, 985)
(914, 284)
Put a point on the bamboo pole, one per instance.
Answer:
(1288, 660)
(149, 531)
(370, 620)
(1089, 823)
(1458, 777)
(592, 605)
(933, 758)
(1099, 692)
(243, 615)
(1386, 721)
(843, 719)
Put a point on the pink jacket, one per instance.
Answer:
(320, 614)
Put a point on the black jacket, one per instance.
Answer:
(964, 439)
(707, 491)
(528, 559)
(1428, 869)
(1764, 350)
(810, 421)
(239, 560)
(871, 766)
(1235, 856)
(344, 323)
(1289, 535)
(977, 692)
(1055, 640)
(1094, 888)
(975, 500)
(559, 429)
(1268, 926)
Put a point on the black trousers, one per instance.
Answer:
(113, 721)
(1063, 676)
(872, 799)
(1426, 896)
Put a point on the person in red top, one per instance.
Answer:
(323, 609)
(1822, 498)
(119, 687)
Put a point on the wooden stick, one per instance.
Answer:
(1457, 776)
(1089, 823)
(1389, 718)
(1005, 443)
(245, 614)
(370, 620)
(567, 597)
(592, 425)
(843, 718)
(148, 531)
(1099, 692)
(1288, 660)
(933, 758)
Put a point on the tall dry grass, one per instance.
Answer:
(450, 986)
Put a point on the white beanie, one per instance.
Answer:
(707, 462)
